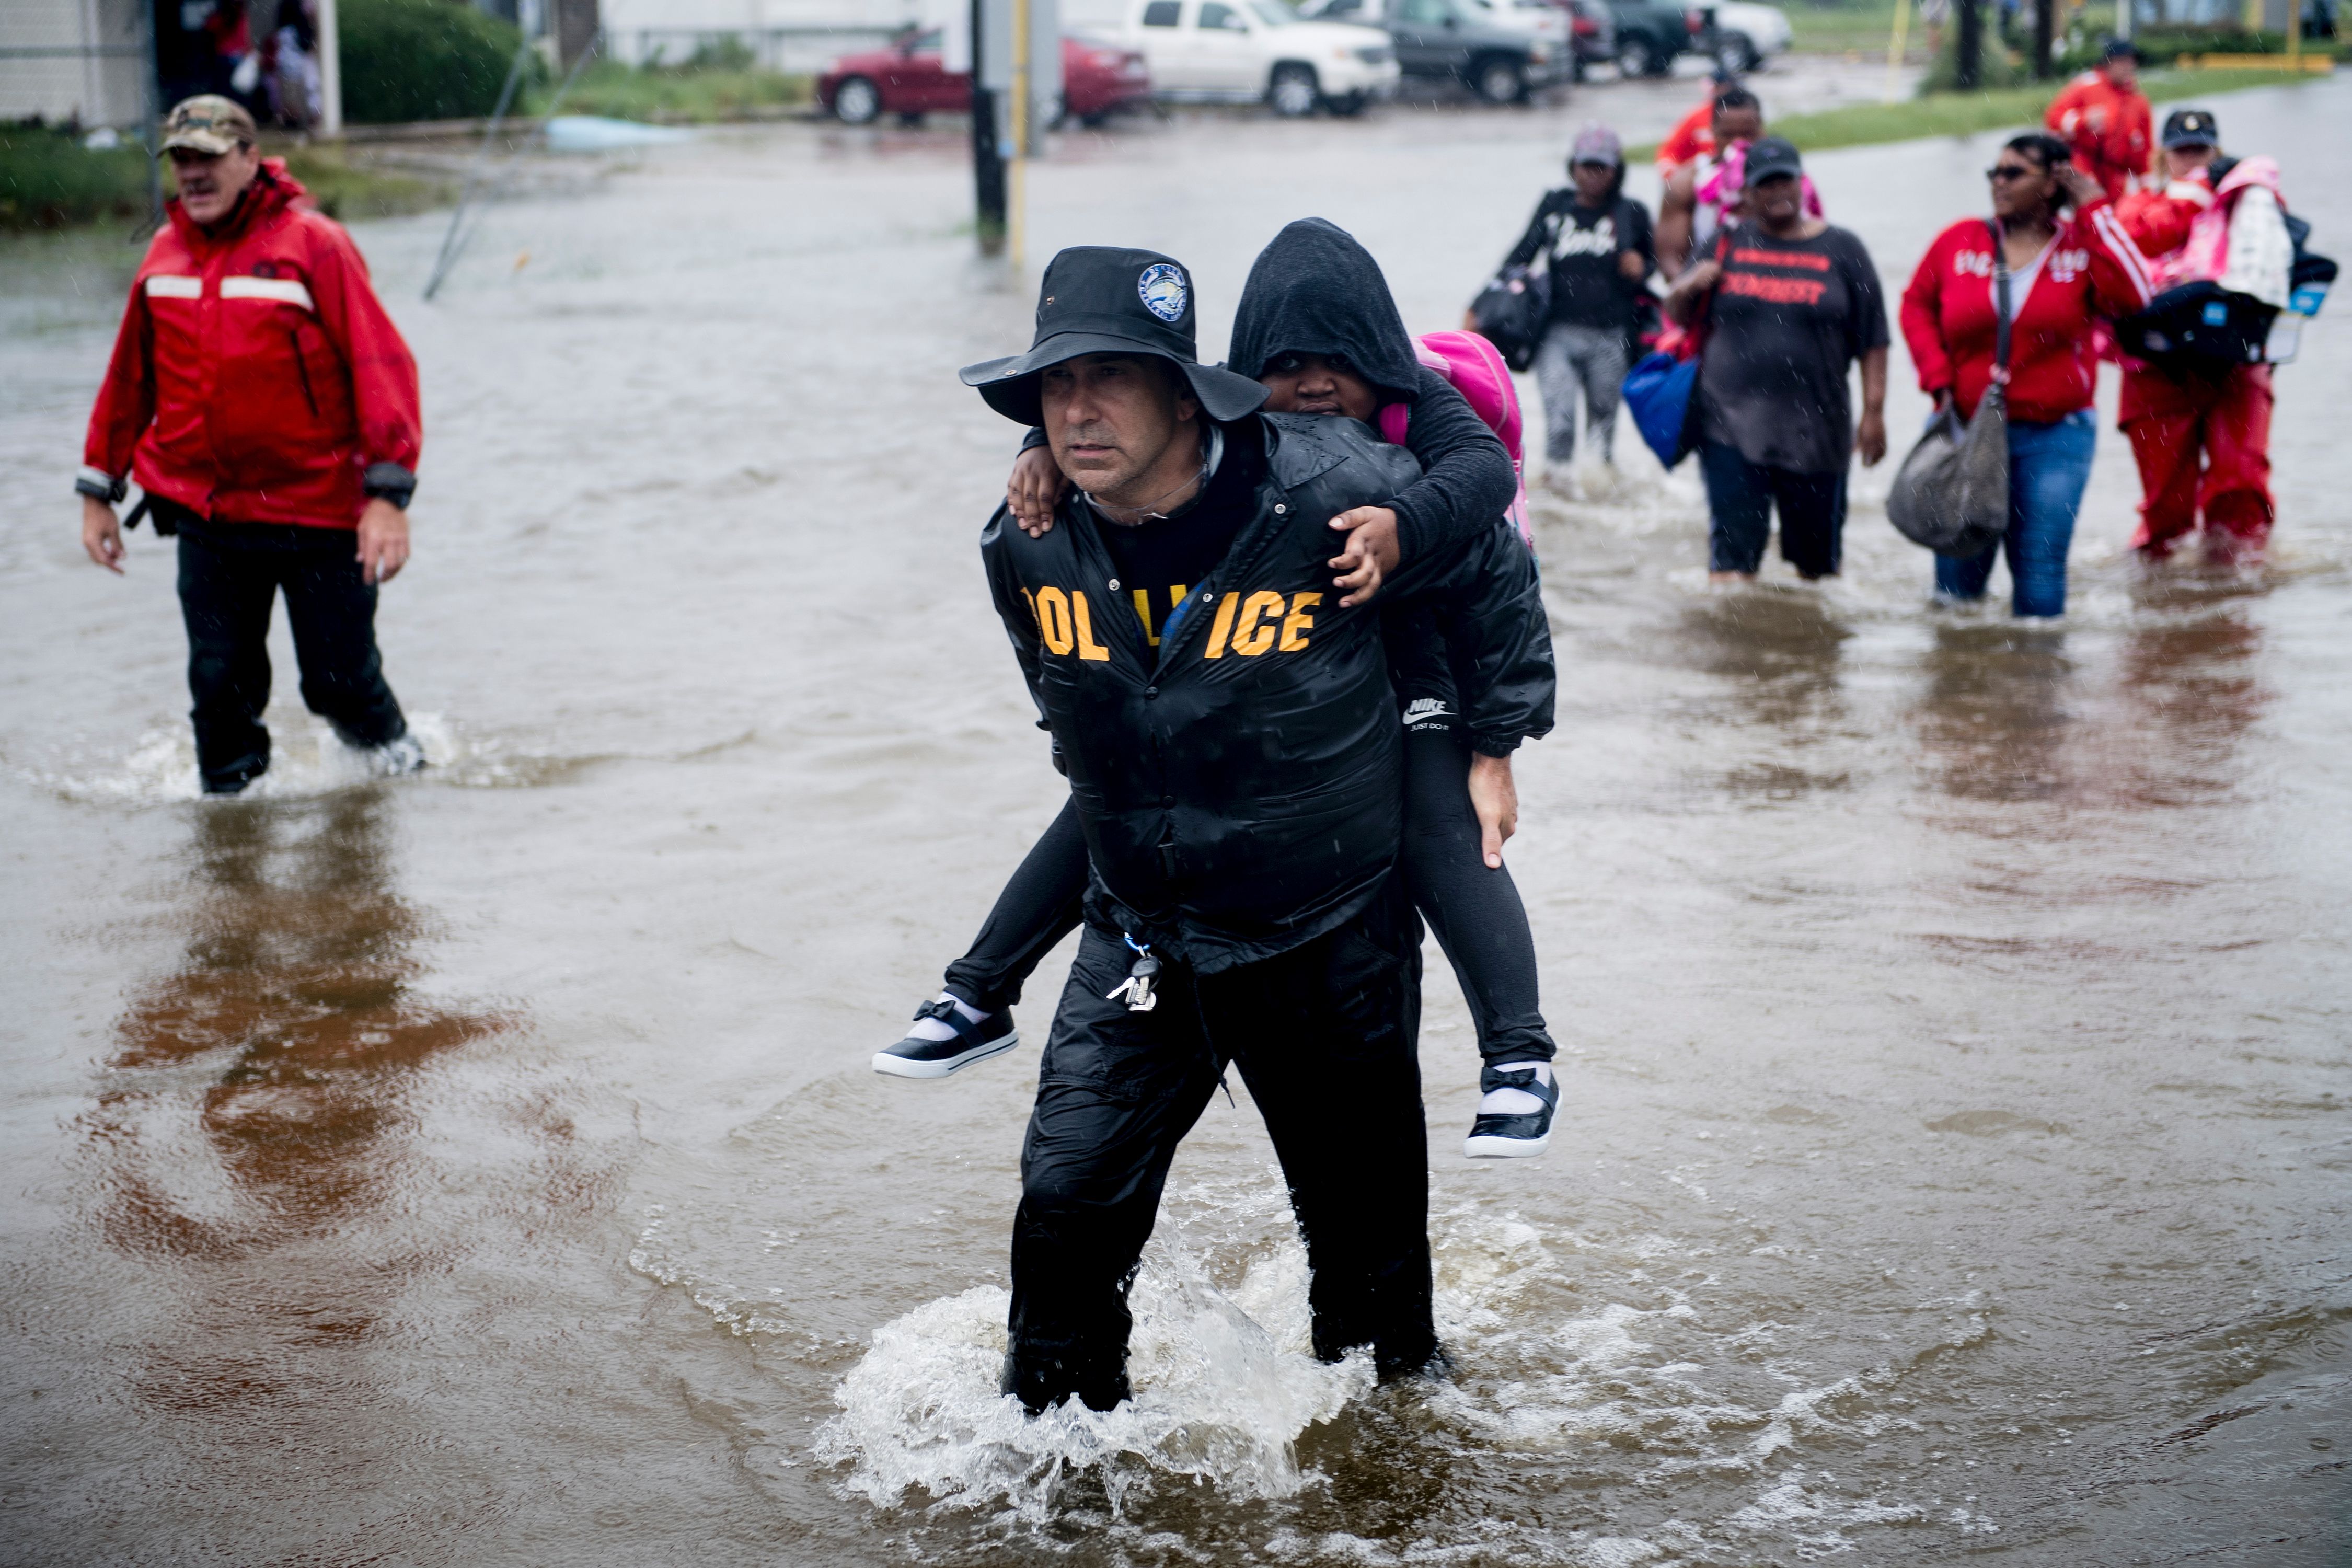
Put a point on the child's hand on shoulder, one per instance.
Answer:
(1033, 489)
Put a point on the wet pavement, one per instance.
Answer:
(486, 1167)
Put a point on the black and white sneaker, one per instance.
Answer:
(947, 1036)
(1514, 1112)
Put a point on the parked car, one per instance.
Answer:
(1649, 35)
(910, 80)
(1245, 51)
(1746, 34)
(1592, 32)
(1464, 40)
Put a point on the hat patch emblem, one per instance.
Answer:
(1164, 291)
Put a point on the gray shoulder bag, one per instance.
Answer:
(1951, 494)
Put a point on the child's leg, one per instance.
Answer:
(1474, 911)
(1038, 908)
(971, 1019)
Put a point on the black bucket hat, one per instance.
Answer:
(1099, 301)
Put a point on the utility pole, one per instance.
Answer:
(2044, 27)
(331, 71)
(1968, 53)
(987, 140)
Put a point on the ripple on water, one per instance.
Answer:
(307, 759)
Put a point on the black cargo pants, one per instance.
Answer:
(1324, 1036)
(230, 574)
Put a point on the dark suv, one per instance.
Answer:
(1438, 40)
(1649, 35)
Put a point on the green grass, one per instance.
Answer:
(682, 95)
(48, 180)
(1851, 29)
(1966, 114)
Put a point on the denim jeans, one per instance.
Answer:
(2049, 465)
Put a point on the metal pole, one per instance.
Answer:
(1970, 49)
(2294, 35)
(987, 151)
(1894, 45)
(331, 70)
(151, 120)
(442, 263)
(1018, 197)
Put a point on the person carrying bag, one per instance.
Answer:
(2003, 334)
(1951, 494)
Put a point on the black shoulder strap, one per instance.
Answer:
(2000, 299)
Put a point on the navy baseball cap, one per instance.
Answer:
(2192, 128)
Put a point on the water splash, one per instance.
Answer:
(1219, 1400)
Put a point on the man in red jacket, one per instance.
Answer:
(2104, 118)
(268, 407)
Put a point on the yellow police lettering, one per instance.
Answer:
(1217, 634)
(1298, 623)
(1255, 634)
(1054, 619)
(1087, 647)
(1143, 613)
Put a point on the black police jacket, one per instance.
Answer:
(1243, 794)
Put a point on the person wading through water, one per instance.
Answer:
(1239, 785)
(1793, 304)
(1595, 241)
(1318, 327)
(267, 406)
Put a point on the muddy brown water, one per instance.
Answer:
(485, 1167)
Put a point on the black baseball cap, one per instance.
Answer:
(1769, 157)
(2192, 128)
(2120, 49)
(1096, 299)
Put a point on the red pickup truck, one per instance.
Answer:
(909, 79)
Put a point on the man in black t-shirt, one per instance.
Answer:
(1597, 248)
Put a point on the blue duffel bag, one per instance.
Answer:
(1657, 392)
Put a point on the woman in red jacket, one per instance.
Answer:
(2066, 269)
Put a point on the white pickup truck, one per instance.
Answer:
(1249, 51)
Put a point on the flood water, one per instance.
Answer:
(484, 1166)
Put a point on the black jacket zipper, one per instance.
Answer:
(302, 368)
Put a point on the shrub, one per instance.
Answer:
(422, 59)
(48, 178)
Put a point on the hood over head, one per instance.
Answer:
(1315, 291)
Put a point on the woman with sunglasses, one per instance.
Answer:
(2070, 263)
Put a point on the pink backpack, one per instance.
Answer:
(1476, 370)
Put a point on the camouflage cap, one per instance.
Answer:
(209, 124)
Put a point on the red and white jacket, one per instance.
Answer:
(256, 377)
(2088, 269)
(2111, 129)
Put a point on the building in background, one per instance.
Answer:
(80, 62)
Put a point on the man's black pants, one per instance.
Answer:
(230, 574)
(1324, 1036)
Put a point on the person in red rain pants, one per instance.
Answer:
(2105, 120)
(268, 407)
(2202, 438)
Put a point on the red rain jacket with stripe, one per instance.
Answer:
(2090, 270)
(256, 377)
